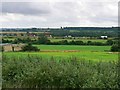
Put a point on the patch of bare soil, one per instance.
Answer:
(60, 51)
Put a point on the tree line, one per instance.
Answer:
(46, 41)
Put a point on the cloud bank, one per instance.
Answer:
(57, 14)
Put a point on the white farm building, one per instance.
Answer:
(104, 37)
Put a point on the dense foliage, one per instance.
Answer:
(76, 31)
(115, 48)
(36, 72)
(42, 40)
(45, 40)
(29, 48)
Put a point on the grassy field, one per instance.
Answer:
(55, 66)
(73, 47)
(94, 53)
(94, 56)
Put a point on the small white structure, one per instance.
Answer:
(50, 36)
(69, 36)
(104, 37)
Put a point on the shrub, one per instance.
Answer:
(109, 42)
(43, 40)
(29, 48)
(63, 42)
(115, 48)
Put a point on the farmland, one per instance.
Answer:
(73, 47)
(54, 69)
(96, 53)
(94, 56)
(75, 62)
(54, 65)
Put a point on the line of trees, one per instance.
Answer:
(45, 40)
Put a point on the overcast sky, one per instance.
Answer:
(52, 13)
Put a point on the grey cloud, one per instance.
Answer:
(60, 14)
(25, 8)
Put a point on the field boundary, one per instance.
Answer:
(60, 51)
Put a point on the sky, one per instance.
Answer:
(58, 13)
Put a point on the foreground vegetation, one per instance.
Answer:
(38, 72)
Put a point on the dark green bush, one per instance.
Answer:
(29, 48)
(115, 48)
(109, 42)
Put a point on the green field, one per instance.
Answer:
(94, 56)
(73, 47)
(96, 53)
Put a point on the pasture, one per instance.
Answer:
(94, 53)
(94, 56)
(74, 47)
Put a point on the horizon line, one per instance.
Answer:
(63, 27)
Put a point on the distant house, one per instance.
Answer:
(11, 47)
(104, 37)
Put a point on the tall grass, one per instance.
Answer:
(37, 72)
